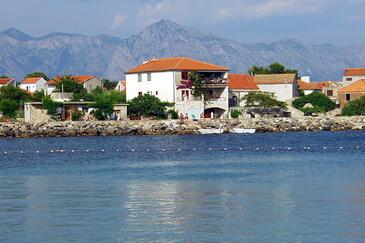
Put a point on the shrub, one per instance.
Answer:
(76, 115)
(355, 108)
(104, 105)
(262, 100)
(13, 93)
(51, 106)
(8, 107)
(235, 113)
(173, 114)
(38, 96)
(148, 105)
(320, 102)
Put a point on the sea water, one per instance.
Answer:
(277, 187)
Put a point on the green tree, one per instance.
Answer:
(108, 84)
(104, 105)
(276, 68)
(355, 108)
(38, 96)
(148, 105)
(255, 69)
(83, 96)
(4, 76)
(51, 106)
(197, 86)
(14, 93)
(69, 84)
(8, 107)
(262, 100)
(319, 101)
(37, 75)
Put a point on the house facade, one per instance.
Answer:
(7, 81)
(33, 84)
(351, 92)
(352, 75)
(283, 86)
(168, 79)
(89, 82)
(240, 85)
(310, 87)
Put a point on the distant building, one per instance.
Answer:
(331, 91)
(121, 86)
(283, 86)
(88, 81)
(7, 81)
(310, 87)
(239, 85)
(353, 74)
(351, 92)
(34, 84)
(168, 79)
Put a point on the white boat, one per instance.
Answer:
(243, 130)
(210, 131)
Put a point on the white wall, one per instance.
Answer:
(354, 79)
(283, 92)
(38, 86)
(162, 82)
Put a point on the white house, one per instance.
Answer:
(168, 79)
(283, 86)
(7, 81)
(33, 84)
(89, 82)
(352, 75)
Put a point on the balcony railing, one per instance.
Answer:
(215, 82)
(190, 98)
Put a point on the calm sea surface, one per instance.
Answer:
(284, 187)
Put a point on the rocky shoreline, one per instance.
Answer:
(174, 127)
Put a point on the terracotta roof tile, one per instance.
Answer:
(354, 72)
(313, 85)
(285, 78)
(5, 81)
(30, 80)
(356, 87)
(242, 82)
(176, 63)
(79, 79)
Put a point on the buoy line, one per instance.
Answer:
(178, 150)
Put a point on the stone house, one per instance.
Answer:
(331, 91)
(89, 82)
(34, 111)
(283, 86)
(34, 84)
(239, 85)
(310, 87)
(7, 81)
(351, 92)
(168, 79)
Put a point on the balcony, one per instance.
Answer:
(190, 98)
(215, 83)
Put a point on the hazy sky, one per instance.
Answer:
(313, 21)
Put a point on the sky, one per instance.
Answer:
(340, 22)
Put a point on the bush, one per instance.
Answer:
(355, 108)
(83, 96)
(148, 105)
(8, 107)
(13, 93)
(76, 115)
(235, 113)
(104, 105)
(262, 100)
(51, 106)
(320, 102)
(38, 96)
(173, 114)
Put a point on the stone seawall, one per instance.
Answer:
(120, 128)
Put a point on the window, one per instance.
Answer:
(329, 92)
(140, 94)
(348, 97)
(149, 78)
(348, 79)
(184, 75)
(156, 92)
(139, 77)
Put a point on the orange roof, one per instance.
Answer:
(176, 63)
(354, 72)
(79, 79)
(241, 81)
(5, 81)
(285, 78)
(356, 87)
(313, 85)
(30, 80)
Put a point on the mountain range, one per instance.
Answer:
(109, 57)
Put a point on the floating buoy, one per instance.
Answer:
(37, 152)
(225, 149)
(148, 150)
(241, 148)
(21, 151)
